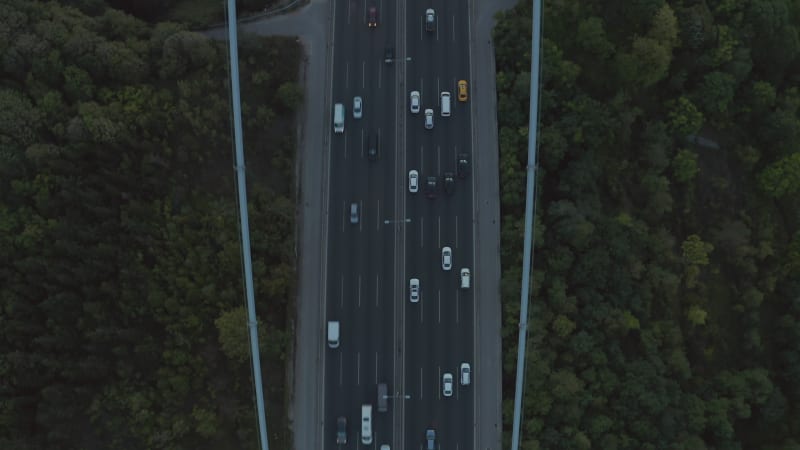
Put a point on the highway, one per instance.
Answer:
(399, 235)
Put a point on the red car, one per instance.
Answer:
(373, 17)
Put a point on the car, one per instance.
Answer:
(464, 278)
(413, 181)
(413, 289)
(465, 373)
(354, 213)
(462, 90)
(445, 103)
(388, 55)
(430, 439)
(372, 21)
(430, 187)
(449, 182)
(357, 104)
(463, 165)
(341, 430)
(430, 20)
(415, 102)
(385, 447)
(447, 384)
(372, 147)
(428, 119)
(447, 258)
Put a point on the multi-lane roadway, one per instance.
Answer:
(399, 235)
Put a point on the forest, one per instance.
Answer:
(665, 305)
(122, 320)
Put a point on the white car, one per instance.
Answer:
(413, 290)
(357, 105)
(413, 181)
(447, 258)
(464, 278)
(415, 102)
(447, 384)
(428, 119)
(430, 20)
(465, 372)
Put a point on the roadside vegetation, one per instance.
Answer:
(195, 14)
(122, 321)
(665, 309)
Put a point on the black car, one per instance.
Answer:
(463, 165)
(449, 182)
(389, 55)
(341, 430)
(372, 149)
(430, 187)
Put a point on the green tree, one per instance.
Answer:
(684, 118)
(684, 166)
(664, 28)
(695, 251)
(716, 92)
(782, 177)
(290, 95)
(646, 64)
(78, 85)
(659, 199)
(591, 37)
(762, 96)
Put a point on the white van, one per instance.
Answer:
(333, 334)
(366, 424)
(465, 278)
(338, 118)
(445, 104)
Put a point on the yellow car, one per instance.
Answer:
(462, 90)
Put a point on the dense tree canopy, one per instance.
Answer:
(665, 308)
(121, 318)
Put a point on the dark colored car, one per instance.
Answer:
(463, 165)
(430, 187)
(388, 57)
(373, 17)
(341, 430)
(372, 148)
(449, 182)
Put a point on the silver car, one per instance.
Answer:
(465, 373)
(353, 213)
(447, 384)
(413, 290)
(413, 181)
(447, 258)
(357, 105)
(415, 102)
(428, 119)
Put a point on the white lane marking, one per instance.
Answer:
(341, 296)
(421, 378)
(363, 76)
(377, 289)
(341, 370)
(376, 367)
(358, 368)
(360, 215)
(439, 230)
(454, 28)
(378, 216)
(359, 291)
(347, 75)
